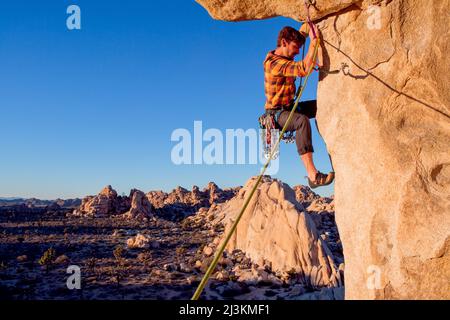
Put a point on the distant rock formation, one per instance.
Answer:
(22, 208)
(37, 203)
(53, 207)
(141, 208)
(105, 203)
(276, 229)
(174, 205)
(68, 203)
(181, 202)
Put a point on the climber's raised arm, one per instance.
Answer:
(308, 60)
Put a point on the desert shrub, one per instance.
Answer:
(48, 258)
(66, 235)
(118, 274)
(91, 263)
(118, 271)
(185, 224)
(118, 253)
(180, 250)
(144, 257)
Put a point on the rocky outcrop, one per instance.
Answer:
(238, 10)
(321, 211)
(384, 113)
(22, 209)
(304, 194)
(173, 206)
(276, 230)
(141, 208)
(180, 202)
(53, 207)
(394, 174)
(105, 203)
(68, 203)
(139, 241)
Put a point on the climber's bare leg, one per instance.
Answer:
(307, 159)
(329, 156)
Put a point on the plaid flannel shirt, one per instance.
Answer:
(279, 79)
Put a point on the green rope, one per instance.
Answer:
(221, 249)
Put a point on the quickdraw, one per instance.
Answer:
(270, 132)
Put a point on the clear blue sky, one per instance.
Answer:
(85, 108)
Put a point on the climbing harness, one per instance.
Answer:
(270, 132)
(224, 243)
(345, 68)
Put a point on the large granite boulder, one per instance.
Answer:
(276, 230)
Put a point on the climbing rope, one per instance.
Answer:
(308, 18)
(221, 249)
(300, 85)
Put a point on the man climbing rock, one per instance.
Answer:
(280, 72)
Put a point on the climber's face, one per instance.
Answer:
(290, 49)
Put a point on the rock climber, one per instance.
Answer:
(280, 72)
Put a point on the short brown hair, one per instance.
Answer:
(290, 34)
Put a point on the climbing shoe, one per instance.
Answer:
(321, 180)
